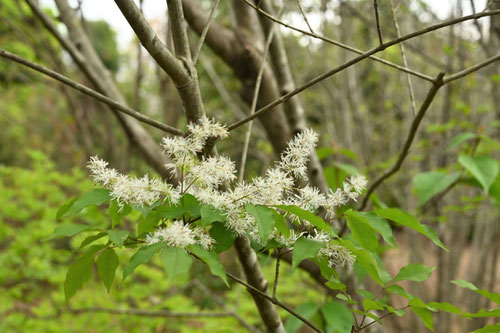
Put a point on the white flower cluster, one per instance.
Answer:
(202, 178)
(338, 256)
(179, 234)
(125, 189)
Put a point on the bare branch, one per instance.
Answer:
(358, 59)
(304, 16)
(377, 20)
(179, 33)
(203, 35)
(438, 83)
(92, 93)
(472, 69)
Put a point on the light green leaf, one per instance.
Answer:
(461, 138)
(80, 272)
(95, 197)
(107, 263)
(495, 328)
(483, 168)
(445, 306)
(428, 184)
(91, 239)
(305, 248)
(335, 284)
(224, 238)
(176, 261)
(308, 216)
(210, 215)
(118, 236)
(398, 290)
(324, 152)
(369, 305)
(307, 310)
(338, 317)
(484, 313)
(411, 222)
(362, 231)
(381, 226)
(414, 272)
(280, 223)
(68, 230)
(488, 294)
(265, 220)
(211, 258)
(142, 256)
(426, 317)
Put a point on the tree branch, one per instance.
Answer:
(377, 21)
(178, 25)
(203, 34)
(92, 93)
(472, 69)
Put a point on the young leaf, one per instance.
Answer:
(265, 220)
(414, 272)
(118, 236)
(426, 317)
(210, 215)
(69, 230)
(176, 261)
(107, 263)
(211, 258)
(362, 231)
(95, 197)
(142, 256)
(428, 184)
(338, 317)
(483, 168)
(80, 272)
(307, 310)
(308, 216)
(305, 248)
(461, 138)
(411, 222)
(224, 238)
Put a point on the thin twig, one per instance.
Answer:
(139, 74)
(380, 318)
(356, 60)
(276, 274)
(90, 92)
(438, 83)
(405, 61)
(469, 70)
(203, 35)
(304, 16)
(377, 20)
(274, 301)
(258, 82)
(339, 44)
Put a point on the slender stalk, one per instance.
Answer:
(377, 22)
(203, 35)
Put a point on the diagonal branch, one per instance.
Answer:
(358, 59)
(204, 33)
(472, 69)
(179, 33)
(92, 93)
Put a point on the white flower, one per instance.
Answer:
(176, 235)
(358, 183)
(203, 238)
(338, 256)
(295, 157)
(213, 171)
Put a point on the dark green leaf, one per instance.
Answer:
(305, 248)
(95, 197)
(265, 220)
(142, 256)
(381, 226)
(338, 317)
(148, 224)
(118, 236)
(308, 216)
(80, 272)
(428, 184)
(324, 152)
(210, 215)
(426, 317)
(483, 168)
(365, 260)
(411, 222)
(307, 310)
(414, 272)
(224, 238)
(280, 223)
(176, 261)
(211, 258)
(107, 263)
(362, 231)
(116, 214)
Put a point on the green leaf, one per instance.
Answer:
(338, 317)
(80, 272)
(428, 184)
(308, 216)
(381, 226)
(414, 272)
(149, 223)
(190, 205)
(210, 215)
(95, 197)
(347, 168)
(483, 313)
(118, 236)
(494, 297)
(365, 260)
(224, 238)
(483, 168)
(67, 230)
(305, 248)
(495, 188)
(107, 263)
(398, 290)
(211, 258)
(307, 310)
(362, 231)
(411, 222)
(169, 212)
(324, 152)
(280, 223)
(265, 220)
(461, 138)
(369, 305)
(445, 306)
(116, 214)
(335, 284)
(426, 317)
(91, 239)
(495, 328)
(142, 256)
(176, 261)
(64, 208)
